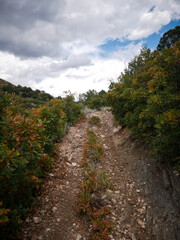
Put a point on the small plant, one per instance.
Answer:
(92, 205)
(3, 214)
(94, 184)
(93, 150)
(102, 227)
(94, 120)
(121, 143)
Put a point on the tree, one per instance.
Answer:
(169, 38)
(93, 99)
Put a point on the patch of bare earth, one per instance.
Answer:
(145, 201)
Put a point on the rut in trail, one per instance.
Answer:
(145, 200)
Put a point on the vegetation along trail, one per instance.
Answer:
(143, 201)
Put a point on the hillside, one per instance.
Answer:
(30, 98)
(5, 83)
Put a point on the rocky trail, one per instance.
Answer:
(145, 200)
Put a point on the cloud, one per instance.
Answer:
(46, 28)
(78, 73)
(149, 23)
(55, 45)
(126, 53)
(73, 61)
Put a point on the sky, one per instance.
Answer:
(77, 45)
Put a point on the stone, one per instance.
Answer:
(27, 220)
(43, 212)
(115, 130)
(36, 219)
(132, 236)
(128, 226)
(117, 192)
(109, 191)
(78, 237)
(105, 147)
(141, 210)
(40, 238)
(176, 173)
(141, 223)
(54, 209)
(104, 196)
(113, 200)
(77, 136)
(111, 237)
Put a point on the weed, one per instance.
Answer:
(94, 184)
(94, 120)
(93, 150)
(121, 143)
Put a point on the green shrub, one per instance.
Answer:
(93, 150)
(72, 109)
(27, 145)
(94, 120)
(146, 99)
(93, 99)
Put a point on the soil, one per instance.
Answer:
(145, 201)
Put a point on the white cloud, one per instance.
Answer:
(78, 73)
(53, 45)
(47, 28)
(149, 23)
(126, 53)
(95, 76)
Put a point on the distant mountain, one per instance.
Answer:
(29, 97)
(4, 82)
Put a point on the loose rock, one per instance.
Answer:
(78, 237)
(36, 219)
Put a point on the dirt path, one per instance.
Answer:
(145, 201)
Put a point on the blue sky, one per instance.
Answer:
(63, 45)
(150, 41)
(153, 40)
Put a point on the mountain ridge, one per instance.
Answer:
(4, 82)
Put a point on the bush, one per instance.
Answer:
(94, 120)
(26, 154)
(146, 100)
(73, 110)
(93, 99)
